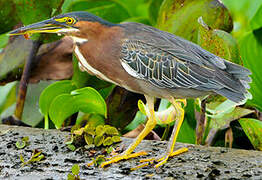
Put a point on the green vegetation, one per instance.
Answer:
(92, 136)
(233, 31)
(75, 173)
(36, 157)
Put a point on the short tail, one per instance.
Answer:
(238, 90)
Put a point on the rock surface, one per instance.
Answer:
(199, 163)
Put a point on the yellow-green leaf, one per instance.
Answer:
(71, 147)
(116, 139)
(88, 139)
(100, 130)
(75, 169)
(108, 141)
(253, 130)
(98, 141)
(20, 144)
(79, 132)
(142, 107)
(111, 130)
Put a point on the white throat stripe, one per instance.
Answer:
(88, 67)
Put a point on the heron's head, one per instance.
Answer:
(79, 24)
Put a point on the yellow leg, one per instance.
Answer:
(171, 144)
(151, 123)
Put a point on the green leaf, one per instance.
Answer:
(111, 131)
(141, 107)
(70, 177)
(98, 141)
(140, 118)
(8, 95)
(90, 130)
(30, 11)
(20, 144)
(8, 16)
(180, 18)
(92, 120)
(71, 140)
(61, 108)
(251, 53)
(88, 139)
(187, 132)
(108, 141)
(100, 130)
(79, 78)
(253, 130)
(52, 91)
(218, 109)
(31, 113)
(13, 58)
(26, 139)
(223, 121)
(79, 132)
(75, 169)
(109, 150)
(90, 101)
(99, 159)
(256, 21)
(111, 10)
(3, 40)
(22, 158)
(218, 42)
(71, 147)
(116, 139)
(154, 7)
(87, 100)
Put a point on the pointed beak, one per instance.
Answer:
(46, 26)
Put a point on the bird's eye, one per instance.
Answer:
(70, 20)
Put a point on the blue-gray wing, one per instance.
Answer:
(162, 68)
(168, 61)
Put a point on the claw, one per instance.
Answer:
(123, 157)
(164, 159)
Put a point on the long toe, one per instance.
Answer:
(123, 156)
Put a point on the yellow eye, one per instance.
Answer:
(70, 20)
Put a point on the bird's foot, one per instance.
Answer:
(160, 161)
(123, 156)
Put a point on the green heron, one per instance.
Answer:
(148, 61)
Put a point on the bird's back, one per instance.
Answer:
(170, 62)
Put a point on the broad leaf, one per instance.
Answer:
(3, 41)
(13, 57)
(8, 95)
(256, 21)
(79, 78)
(52, 91)
(86, 100)
(251, 53)
(8, 16)
(187, 132)
(154, 7)
(223, 121)
(30, 11)
(31, 114)
(218, 42)
(111, 10)
(253, 130)
(180, 18)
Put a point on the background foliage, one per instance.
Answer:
(233, 31)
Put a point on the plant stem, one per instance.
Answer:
(46, 122)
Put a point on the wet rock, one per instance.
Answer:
(199, 163)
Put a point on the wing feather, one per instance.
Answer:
(158, 66)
